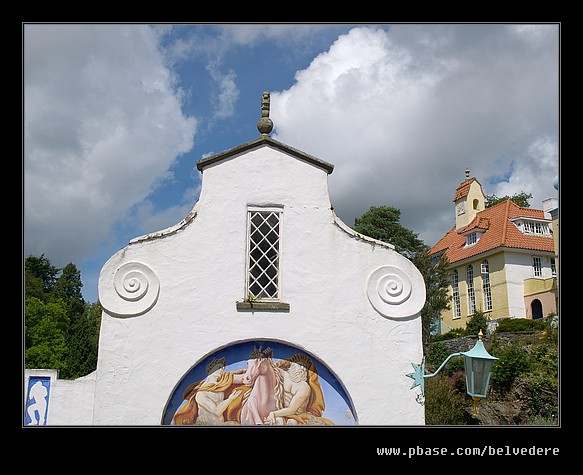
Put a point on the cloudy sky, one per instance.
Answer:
(116, 117)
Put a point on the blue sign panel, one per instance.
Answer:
(37, 401)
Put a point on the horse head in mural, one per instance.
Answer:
(262, 376)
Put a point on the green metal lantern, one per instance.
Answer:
(478, 368)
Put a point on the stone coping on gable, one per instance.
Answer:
(262, 140)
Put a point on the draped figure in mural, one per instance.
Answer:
(285, 392)
(299, 396)
(211, 401)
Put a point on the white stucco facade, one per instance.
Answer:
(170, 298)
(519, 268)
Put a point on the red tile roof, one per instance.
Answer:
(498, 230)
(464, 188)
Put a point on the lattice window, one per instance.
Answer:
(263, 264)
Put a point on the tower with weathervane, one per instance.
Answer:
(501, 259)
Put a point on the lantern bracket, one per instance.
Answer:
(476, 356)
(419, 375)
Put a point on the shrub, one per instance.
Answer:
(450, 335)
(436, 354)
(512, 362)
(476, 323)
(443, 404)
(540, 420)
(520, 324)
(542, 395)
(542, 383)
(546, 359)
(458, 381)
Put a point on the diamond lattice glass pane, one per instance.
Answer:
(264, 254)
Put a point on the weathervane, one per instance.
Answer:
(265, 125)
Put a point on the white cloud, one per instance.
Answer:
(228, 92)
(147, 219)
(103, 123)
(540, 160)
(401, 115)
(534, 34)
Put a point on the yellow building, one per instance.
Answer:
(501, 260)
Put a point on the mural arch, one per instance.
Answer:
(256, 382)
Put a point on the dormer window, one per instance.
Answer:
(471, 239)
(532, 226)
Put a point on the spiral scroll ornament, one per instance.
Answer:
(395, 293)
(133, 290)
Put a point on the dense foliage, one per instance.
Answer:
(528, 365)
(383, 223)
(520, 325)
(521, 199)
(443, 404)
(61, 329)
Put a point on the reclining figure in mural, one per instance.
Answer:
(210, 399)
(285, 392)
(299, 396)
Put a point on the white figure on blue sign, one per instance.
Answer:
(39, 393)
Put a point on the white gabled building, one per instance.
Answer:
(261, 270)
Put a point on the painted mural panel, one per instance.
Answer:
(259, 383)
(37, 401)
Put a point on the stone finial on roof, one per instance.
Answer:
(265, 124)
(467, 173)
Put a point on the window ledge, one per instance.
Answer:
(263, 306)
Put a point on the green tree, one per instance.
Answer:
(383, 223)
(39, 269)
(61, 329)
(46, 334)
(477, 322)
(84, 342)
(68, 287)
(434, 271)
(34, 286)
(94, 321)
(521, 199)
